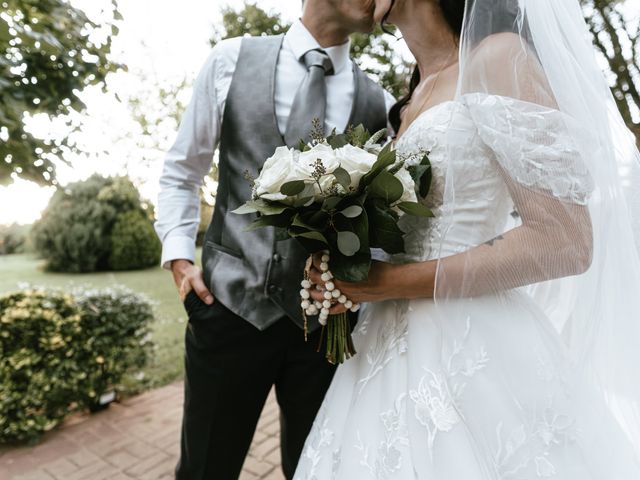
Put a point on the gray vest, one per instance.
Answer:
(252, 274)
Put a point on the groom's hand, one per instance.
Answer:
(187, 277)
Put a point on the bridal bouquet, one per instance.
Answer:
(341, 195)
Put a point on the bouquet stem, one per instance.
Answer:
(339, 342)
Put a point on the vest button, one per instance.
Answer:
(277, 257)
(273, 289)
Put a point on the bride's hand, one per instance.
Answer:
(381, 285)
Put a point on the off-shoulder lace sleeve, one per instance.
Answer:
(534, 144)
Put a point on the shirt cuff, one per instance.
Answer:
(177, 247)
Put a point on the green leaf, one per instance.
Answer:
(253, 206)
(343, 177)
(415, 209)
(338, 141)
(353, 211)
(291, 189)
(313, 236)
(422, 175)
(282, 220)
(351, 269)
(330, 203)
(386, 187)
(386, 158)
(359, 135)
(348, 243)
(245, 209)
(384, 231)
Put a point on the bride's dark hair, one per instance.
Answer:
(453, 11)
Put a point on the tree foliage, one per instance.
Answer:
(49, 51)
(618, 41)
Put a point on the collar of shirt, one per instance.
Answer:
(299, 40)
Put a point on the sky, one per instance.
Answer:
(165, 44)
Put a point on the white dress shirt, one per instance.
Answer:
(190, 158)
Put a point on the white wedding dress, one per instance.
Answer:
(489, 398)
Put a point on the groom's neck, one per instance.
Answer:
(325, 28)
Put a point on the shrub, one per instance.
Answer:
(134, 243)
(74, 233)
(60, 352)
(13, 238)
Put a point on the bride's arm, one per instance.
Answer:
(554, 241)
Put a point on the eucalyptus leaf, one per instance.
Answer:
(291, 189)
(351, 269)
(338, 141)
(384, 231)
(313, 236)
(422, 175)
(353, 211)
(386, 158)
(343, 177)
(386, 187)
(415, 209)
(245, 209)
(348, 243)
(330, 203)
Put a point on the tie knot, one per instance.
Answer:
(318, 58)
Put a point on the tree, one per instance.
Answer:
(76, 232)
(618, 41)
(49, 50)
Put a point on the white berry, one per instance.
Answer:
(326, 304)
(317, 304)
(355, 308)
(322, 321)
(305, 304)
(328, 296)
(305, 284)
(330, 286)
(325, 258)
(325, 277)
(305, 294)
(313, 310)
(348, 304)
(342, 299)
(324, 266)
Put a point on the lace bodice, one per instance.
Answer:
(482, 203)
(486, 134)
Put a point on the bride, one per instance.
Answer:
(504, 343)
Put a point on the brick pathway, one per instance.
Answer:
(136, 439)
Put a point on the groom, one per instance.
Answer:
(244, 333)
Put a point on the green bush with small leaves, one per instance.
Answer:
(75, 232)
(59, 352)
(134, 243)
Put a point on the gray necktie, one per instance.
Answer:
(311, 99)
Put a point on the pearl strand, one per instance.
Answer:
(331, 295)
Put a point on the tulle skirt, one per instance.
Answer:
(471, 389)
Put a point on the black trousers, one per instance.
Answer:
(230, 369)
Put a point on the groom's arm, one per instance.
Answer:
(189, 160)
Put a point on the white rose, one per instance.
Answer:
(276, 171)
(356, 161)
(408, 184)
(322, 151)
(306, 166)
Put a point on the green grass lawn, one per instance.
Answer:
(156, 283)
